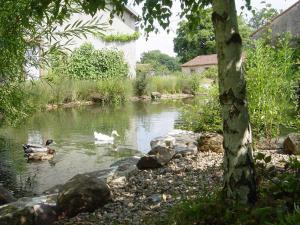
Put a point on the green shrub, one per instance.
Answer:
(14, 104)
(270, 77)
(211, 73)
(86, 63)
(176, 83)
(120, 37)
(203, 115)
(141, 85)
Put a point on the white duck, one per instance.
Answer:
(105, 139)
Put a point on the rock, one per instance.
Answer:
(5, 196)
(148, 162)
(127, 161)
(155, 198)
(97, 97)
(291, 145)
(30, 211)
(125, 167)
(105, 175)
(163, 154)
(53, 190)
(167, 141)
(211, 142)
(155, 95)
(190, 149)
(83, 193)
(157, 157)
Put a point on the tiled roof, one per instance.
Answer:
(202, 60)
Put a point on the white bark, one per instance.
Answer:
(239, 173)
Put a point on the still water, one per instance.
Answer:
(76, 150)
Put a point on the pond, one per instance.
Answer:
(76, 150)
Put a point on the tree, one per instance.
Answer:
(198, 38)
(195, 39)
(25, 27)
(262, 17)
(158, 59)
(239, 173)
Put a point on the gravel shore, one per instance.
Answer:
(150, 193)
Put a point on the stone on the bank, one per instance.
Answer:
(211, 142)
(125, 167)
(291, 144)
(167, 141)
(148, 162)
(83, 193)
(190, 149)
(163, 154)
(30, 211)
(155, 95)
(157, 157)
(5, 196)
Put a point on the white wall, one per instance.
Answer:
(124, 25)
(194, 69)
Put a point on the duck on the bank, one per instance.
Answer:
(29, 148)
(105, 139)
(49, 154)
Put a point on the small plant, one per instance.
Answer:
(141, 85)
(203, 115)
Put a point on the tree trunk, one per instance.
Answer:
(239, 173)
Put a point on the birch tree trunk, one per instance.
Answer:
(239, 173)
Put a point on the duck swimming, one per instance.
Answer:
(105, 138)
(49, 154)
(29, 148)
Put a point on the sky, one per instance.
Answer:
(163, 41)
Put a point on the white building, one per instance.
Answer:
(126, 24)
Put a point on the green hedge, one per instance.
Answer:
(121, 37)
(87, 63)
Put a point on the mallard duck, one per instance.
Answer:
(49, 154)
(105, 138)
(29, 148)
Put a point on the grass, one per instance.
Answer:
(60, 91)
(65, 91)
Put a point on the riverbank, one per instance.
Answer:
(50, 107)
(135, 193)
(148, 195)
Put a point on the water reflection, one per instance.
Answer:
(76, 150)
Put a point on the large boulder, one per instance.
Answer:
(5, 196)
(30, 211)
(83, 193)
(148, 162)
(211, 142)
(168, 141)
(157, 157)
(291, 145)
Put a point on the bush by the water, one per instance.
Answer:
(271, 78)
(202, 115)
(87, 63)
